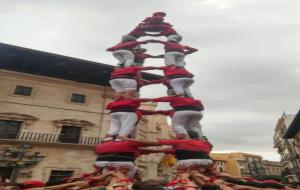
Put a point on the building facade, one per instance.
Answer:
(57, 104)
(240, 164)
(273, 168)
(287, 148)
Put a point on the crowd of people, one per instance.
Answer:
(115, 164)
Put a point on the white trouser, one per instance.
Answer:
(125, 57)
(123, 84)
(122, 123)
(181, 86)
(174, 58)
(187, 120)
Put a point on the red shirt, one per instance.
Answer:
(187, 144)
(137, 32)
(180, 101)
(118, 147)
(167, 31)
(174, 46)
(171, 71)
(124, 103)
(131, 71)
(124, 45)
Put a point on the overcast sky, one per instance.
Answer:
(247, 67)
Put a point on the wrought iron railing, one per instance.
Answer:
(54, 138)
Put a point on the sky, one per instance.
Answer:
(247, 70)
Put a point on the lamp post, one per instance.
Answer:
(19, 157)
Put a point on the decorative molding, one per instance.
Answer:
(27, 119)
(73, 122)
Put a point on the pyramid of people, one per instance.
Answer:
(114, 167)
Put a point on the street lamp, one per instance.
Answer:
(18, 158)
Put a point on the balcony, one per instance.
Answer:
(51, 138)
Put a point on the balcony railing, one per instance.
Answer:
(53, 138)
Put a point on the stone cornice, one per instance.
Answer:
(73, 122)
(50, 80)
(28, 119)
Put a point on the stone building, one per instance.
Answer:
(287, 146)
(273, 168)
(240, 164)
(57, 104)
(293, 132)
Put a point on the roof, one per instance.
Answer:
(294, 127)
(41, 63)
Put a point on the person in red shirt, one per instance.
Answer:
(187, 114)
(123, 116)
(123, 51)
(125, 79)
(153, 26)
(175, 52)
(178, 80)
(188, 152)
(140, 56)
(115, 154)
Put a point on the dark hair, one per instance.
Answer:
(210, 187)
(147, 185)
(193, 134)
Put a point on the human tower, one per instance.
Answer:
(114, 167)
(119, 149)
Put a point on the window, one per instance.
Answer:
(221, 169)
(70, 134)
(60, 174)
(23, 90)
(78, 98)
(9, 129)
(5, 173)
